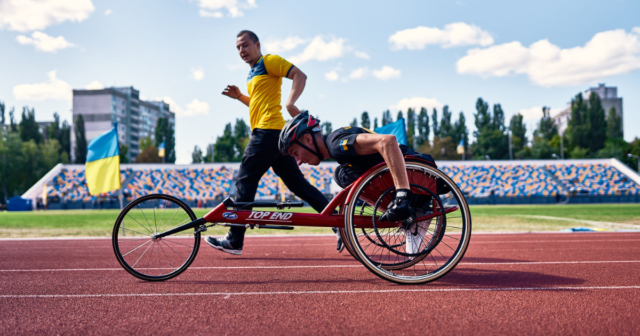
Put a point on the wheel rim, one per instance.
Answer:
(145, 256)
(413, 268)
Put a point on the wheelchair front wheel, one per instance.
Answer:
(147, 257)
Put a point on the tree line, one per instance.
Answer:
(591, 133)
(29, 150)
(26, 152)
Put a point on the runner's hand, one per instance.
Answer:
(232, 91)
(293, 110)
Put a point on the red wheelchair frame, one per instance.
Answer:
(230, 213)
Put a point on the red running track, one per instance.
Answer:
(565, 283)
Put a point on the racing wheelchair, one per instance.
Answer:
(162, 235)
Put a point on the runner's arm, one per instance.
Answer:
(235, 93)
(299, 81)
(387, 146)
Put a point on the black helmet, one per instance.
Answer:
(295, 128)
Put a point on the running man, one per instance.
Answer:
(357, 150)
(264, 86)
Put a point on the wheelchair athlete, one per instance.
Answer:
(357, 150)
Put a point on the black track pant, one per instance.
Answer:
(261, 154)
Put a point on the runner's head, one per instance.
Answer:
(298, 136)
(248, 46)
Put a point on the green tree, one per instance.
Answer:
(124, 153)
(614, 124)
(81, 140)
(578, 128)
(365, 121)
(375, 123)
(386, 118)
(29, 129)
(399, 116)
(491, 139)
(518, 132)
(196, 155)
(597, 124)
(225, 146)
(13, 127)
(165, 132)
(460, 132)
(354, 123)
(241, 135)
(2, 116)
(547, 128)
(147, 143)
(445, 128)
(411, 127)
(434, 122)
(423, 127)
(326, 128)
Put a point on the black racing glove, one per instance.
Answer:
(400, 208)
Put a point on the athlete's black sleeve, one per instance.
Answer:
(340, 145)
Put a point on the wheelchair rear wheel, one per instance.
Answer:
(409, 253)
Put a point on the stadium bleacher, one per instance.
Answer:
(188, 184)
(508, 180)
(594, 179)
(502, 181)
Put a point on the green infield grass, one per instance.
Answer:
(527, 218)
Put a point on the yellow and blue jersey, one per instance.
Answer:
(264, 85)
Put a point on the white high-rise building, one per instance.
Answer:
(136, 118)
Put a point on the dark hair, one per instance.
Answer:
(252, 36)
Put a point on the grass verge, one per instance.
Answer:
(99, 223)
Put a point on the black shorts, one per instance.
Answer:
(346, 174)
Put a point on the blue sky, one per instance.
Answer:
(358, 55)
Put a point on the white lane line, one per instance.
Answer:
(473, 242)
(585, 221)
(552, 241)
(328, 266)
(515, 289)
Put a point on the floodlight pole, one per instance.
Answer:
(637, 157)
(562, 146)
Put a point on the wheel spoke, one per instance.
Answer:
(136, 248)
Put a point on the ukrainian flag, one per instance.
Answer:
(103, 163)
(161, 150)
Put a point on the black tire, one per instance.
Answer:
(436, 252)
(132, 238)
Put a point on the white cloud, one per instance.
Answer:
(321, 50)
(453, 35)
(331, 76)
(205, 13)
(55, 89)
(194, 108)
(386, 72)
(359, 73)
(44, 42)
(362, 54)
(535, 113)
(95, 85)
(608, 53)
(197, 73)
(417, 103)
(211, 8)
(108, 12)
(275, 46)
(28, 15)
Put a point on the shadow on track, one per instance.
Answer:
(504, 278)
